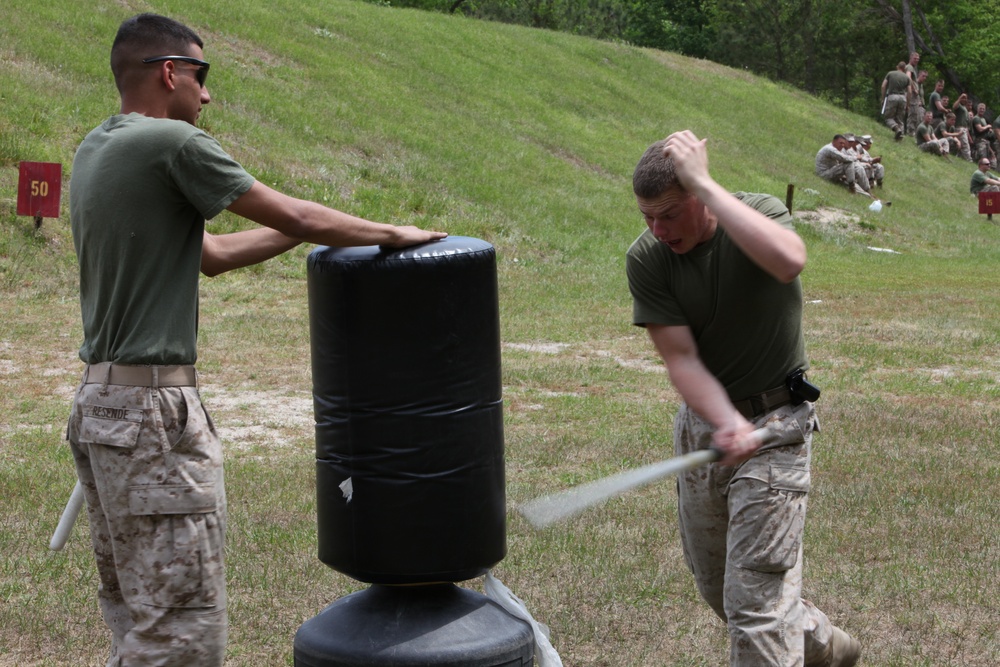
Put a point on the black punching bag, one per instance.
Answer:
(409, 413)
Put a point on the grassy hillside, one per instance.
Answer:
(526, 139)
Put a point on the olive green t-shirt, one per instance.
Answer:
(748, 326)
(140, 192)
(978, 182)
(961, 116)
(897, 83)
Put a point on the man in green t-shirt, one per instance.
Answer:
(897, 88)
(937, 102)
(929, 142)
(714, 281)
(982, 134)
(983, 180)
(147, 455)
(946, 130)
(961, 110)
(915, 108)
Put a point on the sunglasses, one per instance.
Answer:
(201, 74)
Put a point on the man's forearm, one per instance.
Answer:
(225, 252)
(702, 392)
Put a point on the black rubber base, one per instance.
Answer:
(406, 626)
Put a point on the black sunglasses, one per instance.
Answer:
(201, 74)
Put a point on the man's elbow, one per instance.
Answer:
(790, 269)
(792, 264)
(210, 271)
(789, 274)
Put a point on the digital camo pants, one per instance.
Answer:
(741, 529)
(150, 464)
(894, 112)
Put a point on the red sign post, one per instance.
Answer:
(38, 189)
(989, 203)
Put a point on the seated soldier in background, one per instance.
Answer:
(983, 180)
(927, 141)
(946, 130)
(833, 163)
(872, 165)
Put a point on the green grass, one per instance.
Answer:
(526, 139)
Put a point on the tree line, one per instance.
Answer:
(838, 50)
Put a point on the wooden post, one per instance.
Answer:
(789, 194)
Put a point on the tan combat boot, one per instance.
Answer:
(842, 651)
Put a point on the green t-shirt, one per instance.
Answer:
(932, 104)
(140, 192)
(980, 121)
(748, 326)
(897, 83)
(924, 133)
(961, 116)
(978, 182)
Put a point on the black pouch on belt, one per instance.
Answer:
(799, 388)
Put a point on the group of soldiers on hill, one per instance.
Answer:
(846, 160)
(939, 126)
(948, 128)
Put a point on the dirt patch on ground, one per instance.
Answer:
(833, 221)
(270, 419)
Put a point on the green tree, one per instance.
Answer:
(958, 39)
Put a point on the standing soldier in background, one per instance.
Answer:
(896, 90)
(937, 103)
(915, 107)
(911, 65)
(995, 136)
(982, 133)
(962, 117)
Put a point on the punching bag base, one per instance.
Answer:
(407, 626)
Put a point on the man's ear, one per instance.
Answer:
(168, 72)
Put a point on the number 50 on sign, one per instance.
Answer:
(38, 189)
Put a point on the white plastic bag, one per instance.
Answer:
(876, 206)
(545, 654)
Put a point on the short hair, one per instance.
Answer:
(147, 35)
(655, 173)
(838, 136)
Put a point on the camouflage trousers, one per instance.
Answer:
(894, 112)
(984, 149)
(741, 530)
(150, 464)
(914, 117)
(964, 147)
